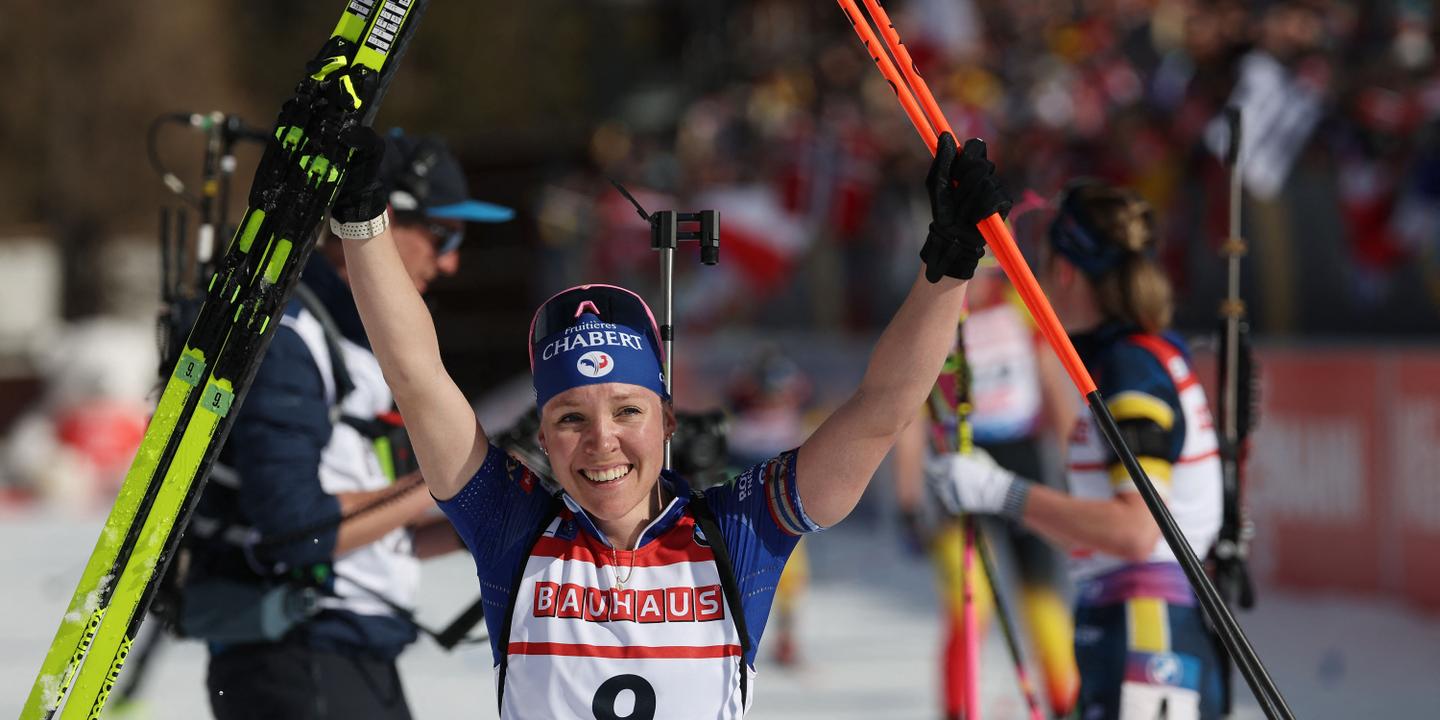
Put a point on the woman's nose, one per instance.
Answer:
(600, 436)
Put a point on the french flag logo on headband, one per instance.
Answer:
(595, 364)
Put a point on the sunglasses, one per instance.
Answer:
(447, 237)
(610, 303)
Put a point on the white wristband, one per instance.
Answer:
(361, 230)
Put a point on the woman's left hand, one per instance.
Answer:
(963, 191)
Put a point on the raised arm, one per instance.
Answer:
(449, 442)
(836, 463)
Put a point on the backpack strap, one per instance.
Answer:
(705, 518)
(392, 444)
(311, 302)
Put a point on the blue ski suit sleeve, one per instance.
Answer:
(761, 517)
(275, 445)
(498, 514)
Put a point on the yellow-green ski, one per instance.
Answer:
(247, 293)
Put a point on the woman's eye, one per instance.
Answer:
(570, 418)
(629, 410)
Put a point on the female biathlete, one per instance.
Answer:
(1140, 641)
(620, 593)
(1020, 401)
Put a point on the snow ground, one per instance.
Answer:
(868, 638)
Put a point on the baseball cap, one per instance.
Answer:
(425, 179)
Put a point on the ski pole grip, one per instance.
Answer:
(998, 237)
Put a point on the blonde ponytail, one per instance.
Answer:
(1136, 291)
(1139, 293)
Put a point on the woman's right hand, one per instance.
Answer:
(361, 196)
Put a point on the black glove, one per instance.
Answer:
(963, 191)
(361, 196)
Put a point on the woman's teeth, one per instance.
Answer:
(607, 475)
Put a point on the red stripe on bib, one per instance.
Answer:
(672, 652)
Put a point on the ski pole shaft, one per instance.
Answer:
(1008, 628)
(965, 444)
(1002, 244)
(998, 237)
(969, 623)
(1238, 646)
(887, 68)
(891, 36)
(1234, 308)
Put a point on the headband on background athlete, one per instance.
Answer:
(594, 334)
(1072, 235)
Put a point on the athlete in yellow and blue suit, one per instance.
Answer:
(1140, 641)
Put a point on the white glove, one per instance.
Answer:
(974, 483)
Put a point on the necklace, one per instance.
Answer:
(659, 499)
(629, 567)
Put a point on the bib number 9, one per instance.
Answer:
(603, 706)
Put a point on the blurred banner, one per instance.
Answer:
(1344, 470)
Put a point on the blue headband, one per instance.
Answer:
(591, 352)
(1081, 245)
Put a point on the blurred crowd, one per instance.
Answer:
(815, 169)
(770, 111)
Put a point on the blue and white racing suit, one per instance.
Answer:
(582, 621)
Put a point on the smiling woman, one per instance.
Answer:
(610, 582)
(605, 413)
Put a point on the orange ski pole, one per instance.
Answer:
(892, 76)
(907, 66)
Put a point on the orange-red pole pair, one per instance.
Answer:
(930, 122)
